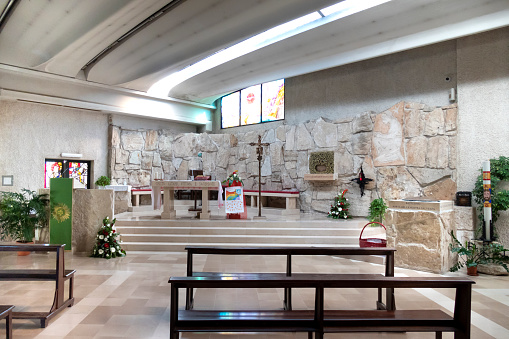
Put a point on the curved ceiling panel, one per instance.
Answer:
(38, 30)
(379, 31)
(79, 52)
(190, 32)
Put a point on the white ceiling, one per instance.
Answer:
(62, 37)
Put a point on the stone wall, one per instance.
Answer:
(408, 150)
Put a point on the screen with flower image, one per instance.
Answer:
(254, 105)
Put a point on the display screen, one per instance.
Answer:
(230, 110)
(253, 105)
(250, 105)
(273, 100)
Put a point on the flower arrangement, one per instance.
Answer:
(103, 181)
(339, 209)
(107, 245)
(234, 177)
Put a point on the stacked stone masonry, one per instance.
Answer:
(409, 150)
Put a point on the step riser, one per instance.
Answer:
(179, 247)
(240, 239)
(237, 231)
(329, 224)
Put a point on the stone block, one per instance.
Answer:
(151, 140)
(452, 152)
(427, 176)
(89, 208)
(303, 139)
(135, 158)
(183, 170)
(290, 138)
(437, 155)
(362, 123)
(281, 133)
(416, 149)
(451, 115)
(132, 140)
(157, 160)
(344, 132)
(414, 122)
(165, 147)
(269, 137)
(205, 143)
(146, 160)
(361, 143)
(442, 190)
(388, 147)
(185, 145)
(434, 122)
(115, 136)
(276, 153)
(325, 134)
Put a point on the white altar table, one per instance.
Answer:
(169, 187)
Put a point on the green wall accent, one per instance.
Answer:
(60, 224)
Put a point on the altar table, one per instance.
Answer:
(169, 187)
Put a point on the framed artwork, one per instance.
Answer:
(7, 180)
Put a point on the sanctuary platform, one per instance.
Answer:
(144, 230)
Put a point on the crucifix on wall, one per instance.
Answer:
(259, 151)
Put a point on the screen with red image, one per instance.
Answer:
(250, 105)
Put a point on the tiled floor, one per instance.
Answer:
(129, 297)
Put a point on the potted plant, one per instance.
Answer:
(21, 213)
(102, 181)
(339, 208)
(377, 210)
(471, 255)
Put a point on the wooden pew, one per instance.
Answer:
(6, 313)
(319, 320)
(59, 275)
(289, 252)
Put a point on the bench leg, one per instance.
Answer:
(438, 335)
(8, 326)
(310, 335)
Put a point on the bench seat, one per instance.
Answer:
(334, 321)
(321, 320)
(30, 275)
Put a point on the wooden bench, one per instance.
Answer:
(291, 199)
(59, 275)
(319, 320)
(6, 313)
(289, 252)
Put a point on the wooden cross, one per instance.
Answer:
(259, 151)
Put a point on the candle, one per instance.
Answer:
(486, 181)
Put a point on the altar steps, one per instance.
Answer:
(149, 233)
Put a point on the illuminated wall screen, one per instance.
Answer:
(254, 105)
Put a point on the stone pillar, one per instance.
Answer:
(89, 208)
(421, 235)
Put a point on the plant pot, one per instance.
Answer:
(472, 270)
(24, 253)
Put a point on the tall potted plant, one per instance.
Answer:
(21, 213)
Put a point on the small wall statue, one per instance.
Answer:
(362, 181)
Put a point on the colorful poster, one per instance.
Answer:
(230, 110)
(250, 105)
(234, 199)
(273, 100)
(60, 224)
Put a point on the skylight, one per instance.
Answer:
(273, 35)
